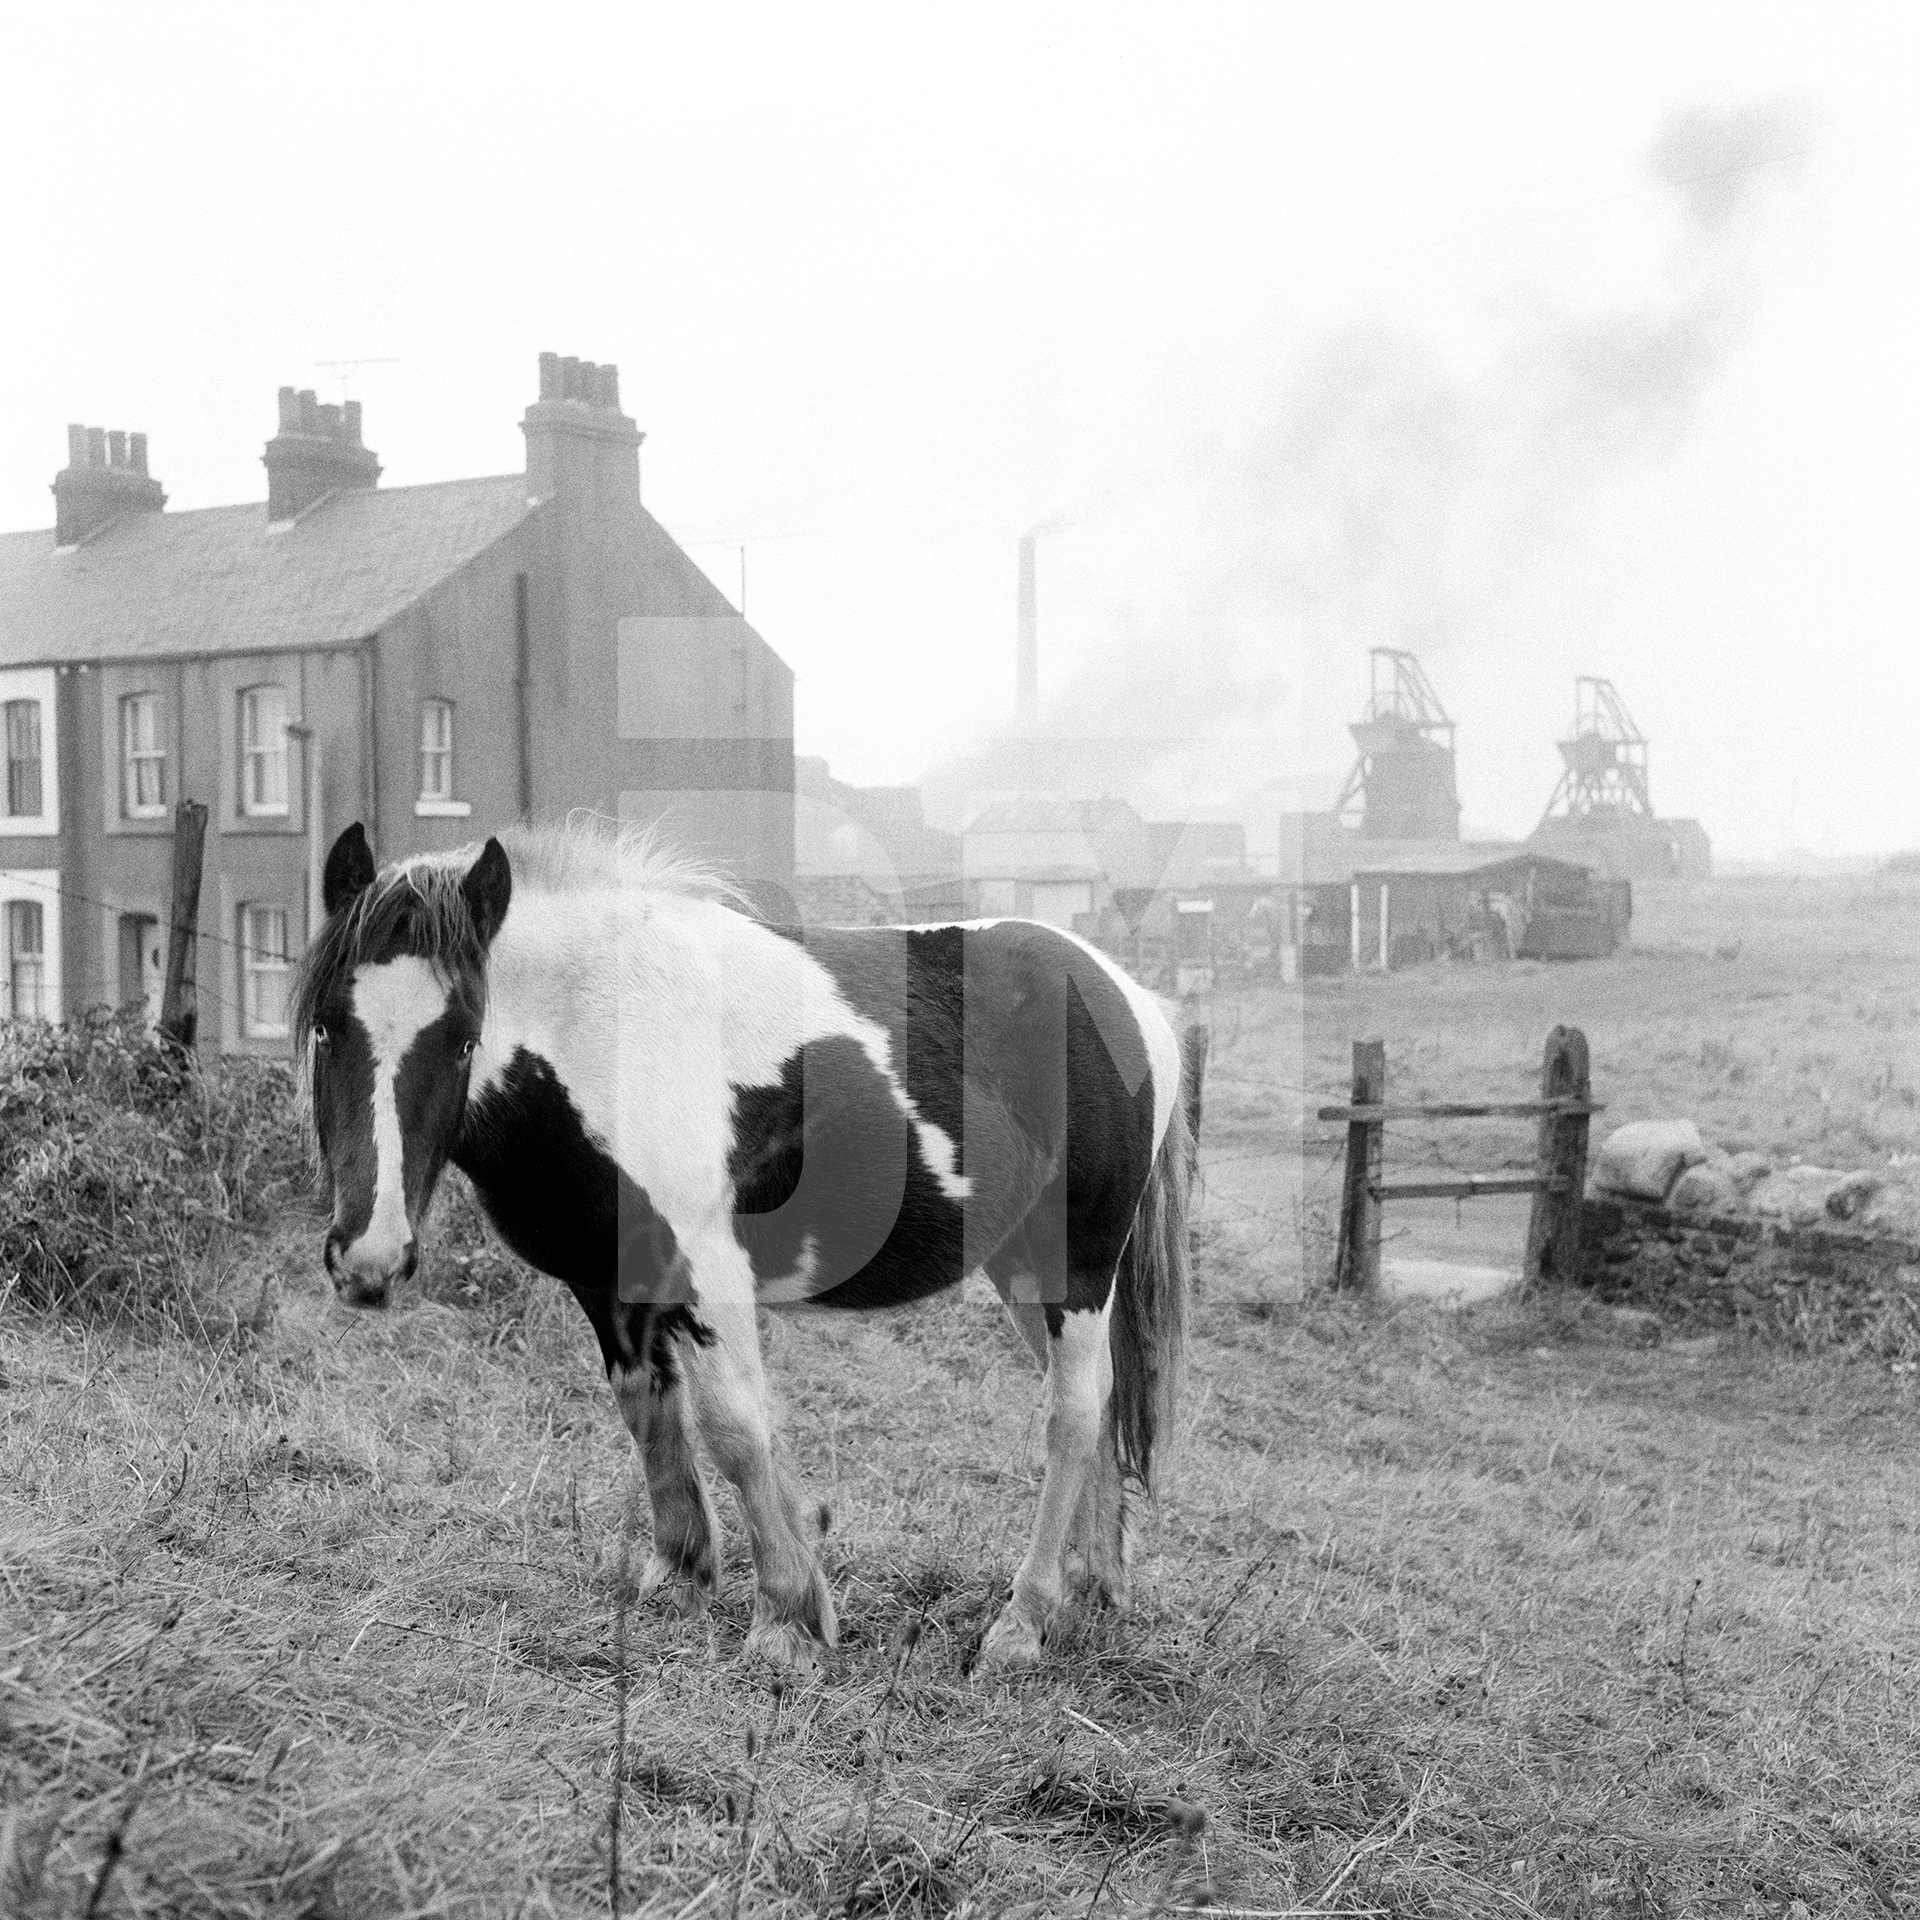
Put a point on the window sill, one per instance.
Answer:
(442, 809)
(264, 813)
(30, 826)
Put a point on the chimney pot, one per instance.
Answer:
(105, 477)
(318, 450)
(587, 449)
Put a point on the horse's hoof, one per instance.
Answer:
(1013, 1642)
(787, 1647)
(687, 1591)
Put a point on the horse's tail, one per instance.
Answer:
(1149, 1329)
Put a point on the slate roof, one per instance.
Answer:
(216, 580)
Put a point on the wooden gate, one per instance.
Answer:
(1557, 1183)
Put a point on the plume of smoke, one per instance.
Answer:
(1390, 498)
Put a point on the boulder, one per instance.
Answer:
(1804, 1196)
(1706, 1190)
(1636, 1325)
(1850, 1197)
(1748, 1169)
(1645, 1157)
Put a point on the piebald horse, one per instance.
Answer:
(684, 1114)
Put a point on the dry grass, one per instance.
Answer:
(1478, 1613)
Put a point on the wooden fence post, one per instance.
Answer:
(179, 1005)
(1553, 1231)
(1356, 1265)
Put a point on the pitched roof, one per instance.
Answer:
(1322, 853)
(218, 580)
(1054, 813)
(1454, 859)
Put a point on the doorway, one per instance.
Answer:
(143, 963)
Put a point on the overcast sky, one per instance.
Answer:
(1544, 340)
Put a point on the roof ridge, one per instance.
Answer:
(335, 493)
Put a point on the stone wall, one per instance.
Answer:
(1803, 1284)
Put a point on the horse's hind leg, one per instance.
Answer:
(1099, 1549)
(792, 1609)
(1099, 1555)
(1079, 1376)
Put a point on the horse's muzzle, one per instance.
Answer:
(361, 1279)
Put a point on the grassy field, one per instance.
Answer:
(1781, 1015)
(1481, 1612)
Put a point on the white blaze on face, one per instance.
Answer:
(394, 1002)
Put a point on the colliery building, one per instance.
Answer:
(436, 661)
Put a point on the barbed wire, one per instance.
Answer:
(39, 888)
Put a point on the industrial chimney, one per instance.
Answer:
(1026, 685)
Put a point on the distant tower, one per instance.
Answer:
(1402, 787)
(1602, 808)
(1604, 784)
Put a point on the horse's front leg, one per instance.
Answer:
(793, 1615)
(652, 1395)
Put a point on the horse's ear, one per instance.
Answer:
(349, 870)
(488, 888)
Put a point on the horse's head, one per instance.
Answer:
(387, 1012)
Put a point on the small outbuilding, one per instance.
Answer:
(1349, 902)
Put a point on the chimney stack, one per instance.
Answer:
(1026, 672)
(105, 477)
(579, 444)
(317, 451)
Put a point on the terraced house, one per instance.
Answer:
(434, 660)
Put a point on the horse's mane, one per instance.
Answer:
(416, 905)
(589, 851)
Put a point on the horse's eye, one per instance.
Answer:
(467, 1047)
(321, 1037)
